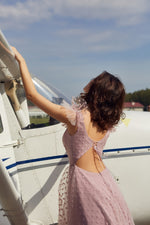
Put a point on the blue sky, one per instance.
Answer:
(67, 42)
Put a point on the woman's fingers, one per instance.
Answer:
(18, 56)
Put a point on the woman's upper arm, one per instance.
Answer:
(56, 111)
(60, 113)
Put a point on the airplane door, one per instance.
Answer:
(6, 146)
(39, 169)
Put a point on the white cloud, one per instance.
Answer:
(110, 40)
(123, 12)
(29, 10)
(21, 14)
(101, 9)
(95, 40)
(80, 38)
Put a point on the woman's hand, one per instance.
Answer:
(54, 110)
(18, 56)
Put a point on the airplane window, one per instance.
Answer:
(1, 125)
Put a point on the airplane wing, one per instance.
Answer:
(9, 68)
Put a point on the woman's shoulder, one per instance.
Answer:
(71, 113)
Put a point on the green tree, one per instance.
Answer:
(141, 96)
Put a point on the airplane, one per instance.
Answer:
(33, 158)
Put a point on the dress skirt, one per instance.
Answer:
(87, 198)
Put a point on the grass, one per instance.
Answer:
(39, 120)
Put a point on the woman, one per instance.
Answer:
(88, 195)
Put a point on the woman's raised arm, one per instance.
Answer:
(56, 111)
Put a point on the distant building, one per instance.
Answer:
(34, 111)
(136, 106)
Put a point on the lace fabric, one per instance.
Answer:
(63, 198)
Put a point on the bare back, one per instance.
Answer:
(90, 160)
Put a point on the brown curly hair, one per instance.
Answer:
(104, 96)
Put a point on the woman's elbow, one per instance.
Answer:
(31, 96)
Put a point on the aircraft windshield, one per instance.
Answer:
(49, 92)
(37, 116)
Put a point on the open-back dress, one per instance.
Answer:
(89, 198)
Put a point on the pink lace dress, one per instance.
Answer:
(88, 198)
